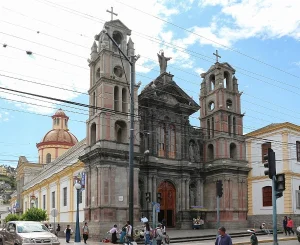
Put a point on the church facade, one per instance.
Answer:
(173, 161)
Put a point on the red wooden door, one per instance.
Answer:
(168, 203)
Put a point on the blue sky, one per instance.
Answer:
(259, 38)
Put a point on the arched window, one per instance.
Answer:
(233, 151)
(161, 140)
(116, 98)
(48, 158)
(226, 80)
(208, 129)
(212, 82)
(200, 145)
(212, 127)
(121, 132)
(267, 196)
(124, 100)
(172, 142)
(66, 123)
(234, 125)
(117, 36)
(97, 74)
(57, 121)
(93, 134)
(210, 152)
(229, 124)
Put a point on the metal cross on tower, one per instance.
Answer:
(112, 13)
(217, 56)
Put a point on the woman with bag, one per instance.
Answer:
(85, 232)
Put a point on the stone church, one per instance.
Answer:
(174, 160)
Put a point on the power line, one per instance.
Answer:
(196, 34)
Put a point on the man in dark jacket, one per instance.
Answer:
(223, 238)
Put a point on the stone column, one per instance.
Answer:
(198, 193)
(187, 194)
(201, 193)
(145, 206)
(87, 188)
(154, 189)
(182, 195)
(98, 196)
(150, 190)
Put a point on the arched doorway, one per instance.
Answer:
(168, 203)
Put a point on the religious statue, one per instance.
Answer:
(191, 151)
(163, 61)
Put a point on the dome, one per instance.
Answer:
(59, 136)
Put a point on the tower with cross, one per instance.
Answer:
(224, 148)
(112, 13)
(108, 127)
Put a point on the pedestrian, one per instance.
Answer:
(57, 230)
(123, 233)
(113, 232)
(68, 231)
(159, 235)
(47, 226)
(284, 223)
(223, 238)
(290, 225)
(147, 231)
(253, 238)
(129, 232)
(85, 232)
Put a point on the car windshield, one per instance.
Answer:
(31, 227)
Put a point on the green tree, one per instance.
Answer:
(12, 217)
(35, 214)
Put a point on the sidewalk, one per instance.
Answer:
(191, 233)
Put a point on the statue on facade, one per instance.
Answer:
(192, 151)
(163, 61)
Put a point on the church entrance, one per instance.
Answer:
(168, 203)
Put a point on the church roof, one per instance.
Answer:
(60, 113)
(69, 158)
(59, 136)
(274, 127)
(164, 89)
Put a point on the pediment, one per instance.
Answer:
(117, 24)
(169, 99)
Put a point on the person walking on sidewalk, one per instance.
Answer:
(85, 232)
(284, 224)
(253, 238)
(290, 225)
(68, 231)
(223, 238)
(113, 231)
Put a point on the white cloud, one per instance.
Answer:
(4, 116)
(244, 19)
(199, 70)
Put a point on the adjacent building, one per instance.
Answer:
(284, 139)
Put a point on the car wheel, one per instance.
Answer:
(297, 237)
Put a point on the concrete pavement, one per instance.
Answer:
(193, 233)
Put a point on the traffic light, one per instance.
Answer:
(148, 196)
(158, 197)
(270, 164)
(219, 186)
(280, 185)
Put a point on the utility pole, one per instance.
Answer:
(133, 59)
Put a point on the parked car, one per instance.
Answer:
(26, 233)
(298, 233)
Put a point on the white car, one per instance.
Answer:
(26, 233)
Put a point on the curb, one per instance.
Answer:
(266, 240)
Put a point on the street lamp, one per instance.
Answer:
(77, 229)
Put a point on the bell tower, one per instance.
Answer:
(224, 145)
(109, 86)
(106, 155)
(221, 117)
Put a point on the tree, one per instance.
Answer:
(12, 217)
(35, 214)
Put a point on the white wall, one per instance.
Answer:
(258, 199)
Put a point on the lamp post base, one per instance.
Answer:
(77, 243)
